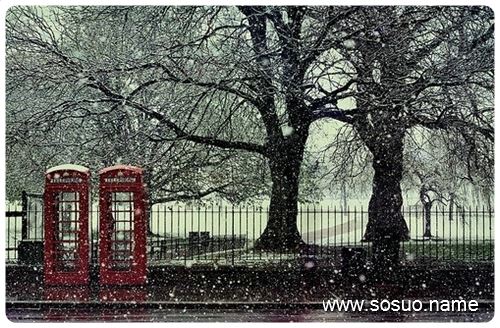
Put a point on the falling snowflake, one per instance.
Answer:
(287, 130)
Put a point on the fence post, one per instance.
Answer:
(24, 215)
(232, 234)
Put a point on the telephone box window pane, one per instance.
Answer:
(67, 237)
(122, 234)
(66, 230)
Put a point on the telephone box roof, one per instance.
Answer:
(121, 167)
(69, 167)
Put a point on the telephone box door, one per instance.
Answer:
(122, 238)
(66, 245)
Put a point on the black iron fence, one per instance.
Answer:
(225, 235)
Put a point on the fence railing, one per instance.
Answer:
(221, 235)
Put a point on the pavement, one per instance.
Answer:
(227, 312)
(231, 295)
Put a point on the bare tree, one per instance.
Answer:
(440, 176)
(194, 71)
(254, 79)
(413, 66)
(52, 112)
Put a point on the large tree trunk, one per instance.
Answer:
(281, 233)
(427, 216)
(426, 201)
(386, 226)
(451, 207)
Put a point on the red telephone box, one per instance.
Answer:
(122, 237)
(66, 236)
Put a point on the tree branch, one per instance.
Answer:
(446, 122)
(346, 116)
(192, 196)
(330, 97)
(179, 132)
